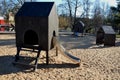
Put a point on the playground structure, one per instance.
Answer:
(106, 35)
(36, 28)
(78, 28)
(64, 52)
(7, 25)
(2, 24)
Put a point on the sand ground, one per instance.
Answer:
(97, 62)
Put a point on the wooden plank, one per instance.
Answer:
(29, 50)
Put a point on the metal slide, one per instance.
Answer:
(64, 52)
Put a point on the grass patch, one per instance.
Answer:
(117, 35)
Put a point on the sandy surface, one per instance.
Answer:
(97, 62)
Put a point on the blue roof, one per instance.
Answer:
(35, 9)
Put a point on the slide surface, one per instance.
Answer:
(64, 52)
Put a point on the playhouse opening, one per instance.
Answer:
(30, 38)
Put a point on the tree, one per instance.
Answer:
(97, 17)
(70, 9)
(105, 10)
(7, 6)
(116, 15)
(63, 23)
(86, 7)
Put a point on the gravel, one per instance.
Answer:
(97, 62)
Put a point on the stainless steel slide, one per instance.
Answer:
(64, 52)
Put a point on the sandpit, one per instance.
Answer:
(97, 62)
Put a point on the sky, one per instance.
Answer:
(56, 1)
(110, 2)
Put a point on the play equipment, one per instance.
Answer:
(106, 35)
(2, 24)
(64, 52)
(36, 25)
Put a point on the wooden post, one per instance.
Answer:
(56, 51)
(36, 60)
(47, 58)
(17, 55)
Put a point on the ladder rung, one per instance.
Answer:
(29, 50)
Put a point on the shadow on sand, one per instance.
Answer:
(6, 66)
(85, 42)
(5, 42)
(117, 44)
(73, 42)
